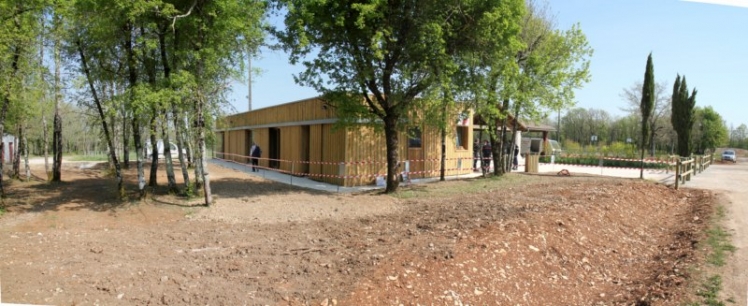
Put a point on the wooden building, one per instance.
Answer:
(298, 138)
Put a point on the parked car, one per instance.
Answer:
(148, 149)
(729, 155)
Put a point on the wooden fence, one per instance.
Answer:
(686, 167)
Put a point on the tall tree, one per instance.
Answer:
(539, 75)
(384, 53)
(659, 121)
(19, 23)
(57, 147)
(682, 117)
(710, 130)
(646, 107)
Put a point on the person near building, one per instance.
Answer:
(486, 152)
(255, 152)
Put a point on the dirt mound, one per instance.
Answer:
(524, 240)
(576, 244)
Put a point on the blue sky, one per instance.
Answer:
(706, 42)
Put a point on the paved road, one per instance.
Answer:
(732, 181)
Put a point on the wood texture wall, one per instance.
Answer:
(303, 110)
(361, 148)
(367, 149)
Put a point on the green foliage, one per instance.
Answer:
(709, 292)
(710, 131)
(588, 160)
(647, 103)
(682, 116)
(372, 59)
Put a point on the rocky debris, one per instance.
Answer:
(546, 241)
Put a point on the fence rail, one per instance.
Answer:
(686, 167)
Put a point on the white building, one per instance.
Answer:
(10, 145)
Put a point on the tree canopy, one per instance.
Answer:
(373, 59)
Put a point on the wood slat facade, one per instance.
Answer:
(299, 137)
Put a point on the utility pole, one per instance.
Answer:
(249, 82)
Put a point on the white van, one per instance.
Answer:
(147, 149)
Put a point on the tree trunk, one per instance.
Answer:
(152, 181)
(132, 80)
(17, 154)
(499, 159)
(652, 142)
(125, 140)
(102, 116)
(45, 145)
(200, 122)
(139, 157)
(25, 153)
(443, 157)
(510, 148)
(181, 144)
(172, 181)
(179, 126)
(391, 140)
(57, 120)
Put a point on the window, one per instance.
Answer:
(414, 137)
(461, 138)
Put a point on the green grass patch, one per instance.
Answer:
(709, 292)
(719, 242)
(2, 210)
(719, 248)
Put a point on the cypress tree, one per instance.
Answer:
(647, 104)
(683, 115)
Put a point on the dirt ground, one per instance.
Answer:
(519, 240)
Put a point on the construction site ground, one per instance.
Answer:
(516, 240)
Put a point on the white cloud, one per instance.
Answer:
(738, 3)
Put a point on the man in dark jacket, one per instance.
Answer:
(255, 153)
(486, 150)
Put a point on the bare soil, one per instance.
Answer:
(519, 240)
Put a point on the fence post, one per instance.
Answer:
(341, 174)
(677, 172)
(459, 167)
(293, 165)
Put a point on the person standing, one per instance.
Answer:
(255, 153)
(487, 152)
(515, 162)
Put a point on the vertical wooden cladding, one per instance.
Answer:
(236, 145)
(366, 155)
(316, 149)
(303, 110)
(261, 138)
(326, 152)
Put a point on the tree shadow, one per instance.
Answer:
(95, 190)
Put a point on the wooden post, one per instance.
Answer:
(677, 173)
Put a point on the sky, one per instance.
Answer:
(705, 41)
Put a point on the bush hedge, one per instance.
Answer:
(595, 161)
